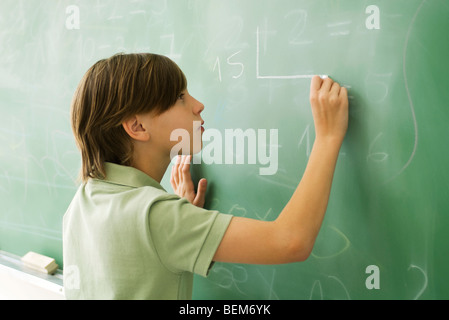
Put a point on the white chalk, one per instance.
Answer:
(40, 262)
(324, 76)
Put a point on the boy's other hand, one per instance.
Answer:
(182, 183)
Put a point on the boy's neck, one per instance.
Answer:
(153, 167)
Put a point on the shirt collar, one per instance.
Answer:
(129, 176)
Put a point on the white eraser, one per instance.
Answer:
(40, 262)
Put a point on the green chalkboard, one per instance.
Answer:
(250, 62)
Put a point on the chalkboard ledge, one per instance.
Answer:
(20, 282)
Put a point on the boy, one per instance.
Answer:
(124, 235)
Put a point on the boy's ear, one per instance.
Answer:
(135, 128)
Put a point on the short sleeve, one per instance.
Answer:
(186, 236)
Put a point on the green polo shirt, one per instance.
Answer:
(125, 237)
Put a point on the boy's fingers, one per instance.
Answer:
(172, 176)
(182, 182)
(178, 169)
(326, 86)
(335, 89)
(185, 164)
(344, 93)
(200, 197)
(174, 171)
(315, 84)
(185, 169)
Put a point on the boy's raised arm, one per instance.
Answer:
(291, 236)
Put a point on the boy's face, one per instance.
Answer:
(181, 124)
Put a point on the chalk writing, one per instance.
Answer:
(346, 245)
(425, 280)
(258, 74)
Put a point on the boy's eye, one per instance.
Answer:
(181, 96)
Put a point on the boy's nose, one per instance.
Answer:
(199, 107)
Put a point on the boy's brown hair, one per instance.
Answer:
(110, 92)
